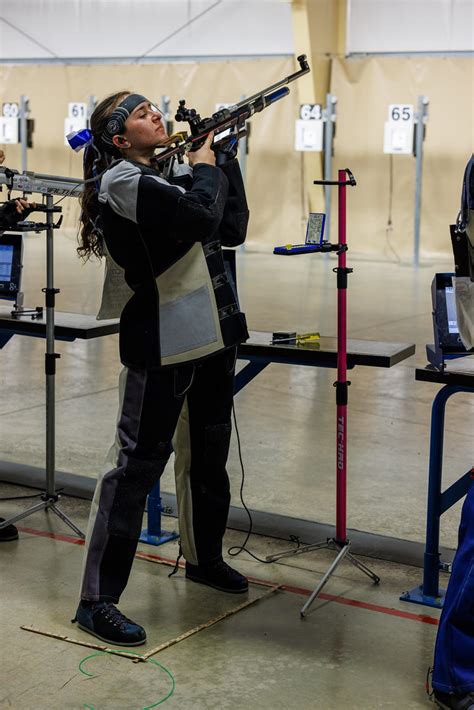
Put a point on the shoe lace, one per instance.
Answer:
(112, 614)
(222, 566)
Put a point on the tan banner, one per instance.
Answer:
(381, 208)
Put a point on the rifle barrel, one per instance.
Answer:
(283, 82)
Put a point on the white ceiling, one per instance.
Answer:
(133, 29)
(410, 26)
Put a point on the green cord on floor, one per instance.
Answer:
(149, 660)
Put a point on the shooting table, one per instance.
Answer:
(258, 349)
(67, 326)
(457, 377)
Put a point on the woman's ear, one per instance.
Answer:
(120, 142)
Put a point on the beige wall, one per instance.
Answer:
(365, 88)
(279, 182)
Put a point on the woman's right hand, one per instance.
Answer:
(204, 154)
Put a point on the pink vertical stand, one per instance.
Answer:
(340, 543)
(341, 384)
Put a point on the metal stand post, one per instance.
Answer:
(339, 543)
(165, 110)
(420, 118)
(329, 117)
(50, 497)
(91, 104)
(24, 111)
(243, 152)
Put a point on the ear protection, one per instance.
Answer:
(116, 122)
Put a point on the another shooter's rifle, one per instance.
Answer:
(232, 118)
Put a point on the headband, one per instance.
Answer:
(116, 123)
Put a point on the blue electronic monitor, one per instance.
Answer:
(11, 258)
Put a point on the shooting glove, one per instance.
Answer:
(226, 150)
(9, 215)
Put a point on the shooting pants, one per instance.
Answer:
(454, 652)
(187, 408)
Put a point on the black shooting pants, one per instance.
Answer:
(187, 408)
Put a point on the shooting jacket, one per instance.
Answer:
(167, 234)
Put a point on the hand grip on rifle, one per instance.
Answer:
(203, 154)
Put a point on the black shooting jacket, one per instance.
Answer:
(167, 235)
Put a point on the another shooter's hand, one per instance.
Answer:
(204, 154)
(14, 211)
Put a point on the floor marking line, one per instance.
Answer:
(211, 622)
(61, 637)
(347, 601)
(142, 658)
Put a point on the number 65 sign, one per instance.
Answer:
(398, 133)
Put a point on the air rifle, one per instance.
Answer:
(233, 117)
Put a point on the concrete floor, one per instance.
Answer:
(342, 655)
(360, 648)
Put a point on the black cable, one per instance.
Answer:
(243, 547)
(37, 495)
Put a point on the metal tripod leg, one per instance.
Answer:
(343, 552)
(297, 551)
(363, 568)
(340, 556)
(52, 506)
(47, 504)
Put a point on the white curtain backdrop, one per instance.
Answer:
(55, 30)
(410, 26)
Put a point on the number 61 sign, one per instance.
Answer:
(76, 120)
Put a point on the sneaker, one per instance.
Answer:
(219, 575)
(8, 533)
(449, 701)
(107, 623)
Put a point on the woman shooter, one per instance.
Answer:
(178, 341)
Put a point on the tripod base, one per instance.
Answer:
(48, 503)
(342, 548)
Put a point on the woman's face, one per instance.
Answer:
(145, 128)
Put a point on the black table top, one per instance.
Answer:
(66, 325)
(458, 372)
(323, 352)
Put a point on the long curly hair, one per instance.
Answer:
(96, 159)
